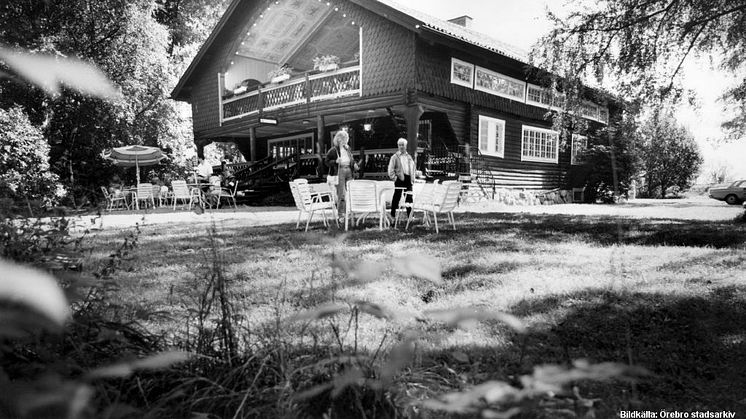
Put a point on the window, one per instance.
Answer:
(288, 146)
(603, 114)
(462, 73)
(491, 136)
(589, 110)
(539, 144)
(498, 84)
(579, 144)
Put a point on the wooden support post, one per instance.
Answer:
(320, 135)
(412, 115)
(252, 143)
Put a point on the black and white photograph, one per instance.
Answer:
(332, 209)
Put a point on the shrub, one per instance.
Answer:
(24, 160)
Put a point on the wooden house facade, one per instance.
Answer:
(279, 78)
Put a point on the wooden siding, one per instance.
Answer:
(388, 52)
(511, 171)
(456, 112)
(387, 64)
(433, 75)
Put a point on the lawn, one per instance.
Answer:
(667, 295)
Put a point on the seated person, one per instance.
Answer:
(204, 171)
(115, 185)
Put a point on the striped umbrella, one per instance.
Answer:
(135, 155)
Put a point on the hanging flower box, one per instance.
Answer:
(280, 74)
(279, 79)
(326, 63)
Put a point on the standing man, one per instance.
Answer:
(401, 170)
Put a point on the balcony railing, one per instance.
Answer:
(305, 89)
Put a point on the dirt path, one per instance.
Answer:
(680, 209)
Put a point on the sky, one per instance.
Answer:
(521, 23)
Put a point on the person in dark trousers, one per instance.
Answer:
(401, 171)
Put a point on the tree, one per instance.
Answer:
(24, 159)
(611, 164)
(671, 156)
(645, 44)
(126, 40)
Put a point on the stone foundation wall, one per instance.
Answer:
(523, 197)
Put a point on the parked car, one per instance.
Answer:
(733, 194)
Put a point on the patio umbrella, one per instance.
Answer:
(135, 155)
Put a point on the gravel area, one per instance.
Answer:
(678, 209)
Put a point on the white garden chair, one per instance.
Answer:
(361, 199)
(181, 192)
(309, 202)
(440, 199)
(114, 200)
(144, 193)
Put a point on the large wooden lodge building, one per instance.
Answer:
(451, 91)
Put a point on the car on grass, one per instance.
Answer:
(733, 193)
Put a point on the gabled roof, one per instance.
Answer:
(388, 9)
(457, 31)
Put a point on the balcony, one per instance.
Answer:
(307, 88)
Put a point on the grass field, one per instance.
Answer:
(660, 293)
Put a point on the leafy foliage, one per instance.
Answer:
(611, 164)
(24, 160)
(645, 44)
(671, 157)
(140, 45)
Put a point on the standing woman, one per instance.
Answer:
(340, 162)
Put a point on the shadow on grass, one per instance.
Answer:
(694, 346)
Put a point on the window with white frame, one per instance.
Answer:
(540, 145)
(579, 144)
(499, 84)
(462, 73)
(491, 136)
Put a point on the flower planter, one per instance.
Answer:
(280, 79)
(328, 67)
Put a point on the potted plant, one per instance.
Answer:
(279, 74)
(326, 63)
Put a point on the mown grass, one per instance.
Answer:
(666, 295)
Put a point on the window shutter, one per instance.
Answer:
(483, 134)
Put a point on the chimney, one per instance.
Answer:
(464, 21)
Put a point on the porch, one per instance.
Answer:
(304, 88)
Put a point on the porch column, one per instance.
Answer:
(412, 115)
(252, 143)
(320, 134)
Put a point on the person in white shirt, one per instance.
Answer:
(401, 170)
(204, 170)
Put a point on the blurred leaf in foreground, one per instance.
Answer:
(51, 72)
(420, 266)
(462, 316)
(158, 361)
(34, 289)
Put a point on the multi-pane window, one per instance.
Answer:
(491, 136)
(589, 110)
(288, 146)
(498, 84)
(603, 114)
(539, 144)
(579, 144)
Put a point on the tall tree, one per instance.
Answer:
(645, 44)
(671, 156)
(125, 39)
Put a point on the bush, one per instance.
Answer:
(24, 160)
